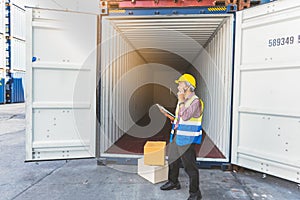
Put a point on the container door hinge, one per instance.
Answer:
(103, 7)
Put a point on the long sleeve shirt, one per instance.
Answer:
(193, 111)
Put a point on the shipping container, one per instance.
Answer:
(2, 16)
(17, 91)
(90, 100)
(19, 87)
(18, 55)
(17, 22)
(2, 51)
(15, 87)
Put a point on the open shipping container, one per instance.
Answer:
(93, 80)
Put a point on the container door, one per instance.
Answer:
(61, 84)
(266, 110)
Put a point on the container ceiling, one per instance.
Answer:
(160, 39)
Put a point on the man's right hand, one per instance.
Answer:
(167, 115)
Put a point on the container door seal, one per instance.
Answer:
(266, 111)
(61, 76)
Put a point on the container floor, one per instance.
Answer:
(128, 144)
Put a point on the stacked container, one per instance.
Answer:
(16, 52)
(2, 51)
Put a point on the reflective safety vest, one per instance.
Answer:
(190, 131)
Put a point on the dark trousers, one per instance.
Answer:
(187, 154)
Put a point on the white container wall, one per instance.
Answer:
(90, 6)
(172, 55)
(17, 22)
(2, 16)
(2, 52)
(266, 117)
(115, 63)
(18, 55)
(215, 68)
(61, 84)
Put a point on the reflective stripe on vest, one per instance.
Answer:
(189, 131)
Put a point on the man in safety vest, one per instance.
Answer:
(186, 132)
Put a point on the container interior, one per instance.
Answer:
(141, 56)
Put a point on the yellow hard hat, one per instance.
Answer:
(188, 78)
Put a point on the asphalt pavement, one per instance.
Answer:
(84, 179)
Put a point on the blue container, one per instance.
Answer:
(17, 91)
(2, 90)
(15, 88)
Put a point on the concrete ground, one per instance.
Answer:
(84, 179)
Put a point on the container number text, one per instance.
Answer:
(283, 41)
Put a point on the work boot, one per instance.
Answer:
(195, 196)
(170, 186)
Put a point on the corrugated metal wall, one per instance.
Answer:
(2, 16)
(17, 92)
(18, 53)
(18, 44)
(17, 22)
(117, 58)
(2, 51)
(214, 85)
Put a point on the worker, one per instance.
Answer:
(186, 132)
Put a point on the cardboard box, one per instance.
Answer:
(154, 174)
(155, 153)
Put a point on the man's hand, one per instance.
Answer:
(167, 115)
(180, 96)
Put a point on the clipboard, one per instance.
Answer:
(165, 110)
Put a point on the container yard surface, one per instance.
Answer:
(84, 179)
